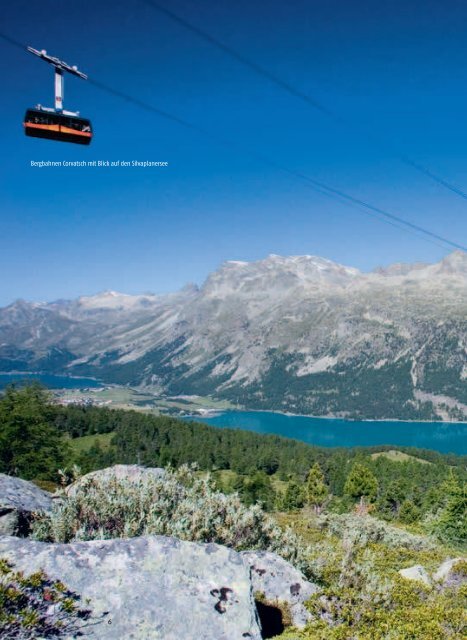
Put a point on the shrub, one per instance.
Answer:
(460, 568)
(400, 611)
(357, 560)
(365, 599)
(365, 529)
(179, 504)
(37, 607)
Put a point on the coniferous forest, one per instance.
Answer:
(38, 437)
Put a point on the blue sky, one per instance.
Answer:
(396, 69)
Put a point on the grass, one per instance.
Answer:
(224, 476)
(120, 397)
(398, 456)
(80, 445)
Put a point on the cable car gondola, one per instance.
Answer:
(41, 123)
(57, 124)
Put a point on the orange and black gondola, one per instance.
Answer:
(57, 126)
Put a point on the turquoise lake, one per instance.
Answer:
(441, 436)
(50, 381)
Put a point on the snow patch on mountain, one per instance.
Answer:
(322, 364)
(116, 301)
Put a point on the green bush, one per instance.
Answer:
(357, 560)
(180, 504)
(400, 610)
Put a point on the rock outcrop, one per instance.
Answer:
(417, 572)
(19, 499)
(149, 588)
(156, 587)
(280, 583)
(449, 573)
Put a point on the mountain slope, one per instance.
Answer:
(301, 334)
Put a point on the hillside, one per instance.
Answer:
(258, 535)
(164, 543)
(301, 334)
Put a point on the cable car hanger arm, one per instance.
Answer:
(58, 64)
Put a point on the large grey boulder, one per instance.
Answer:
(130, 472)
(279, 582)
(19, 499)
(153, 587)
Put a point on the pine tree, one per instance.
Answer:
(408, 512)
(294, 497)
(361, 484)
(30, 444)
(316, 489)
(393, 498)
(451, 525)
(257, 488)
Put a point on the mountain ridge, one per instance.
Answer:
(300, 333)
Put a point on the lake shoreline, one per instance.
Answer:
(212, 413)
(443, 437)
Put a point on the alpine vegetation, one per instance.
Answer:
(180, 503)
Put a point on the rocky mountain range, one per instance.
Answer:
(300, 334)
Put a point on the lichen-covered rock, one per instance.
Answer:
(152, 588)
(450, 574)
(417, 572)
(19, 499)
(130, 472)
(278, 581)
